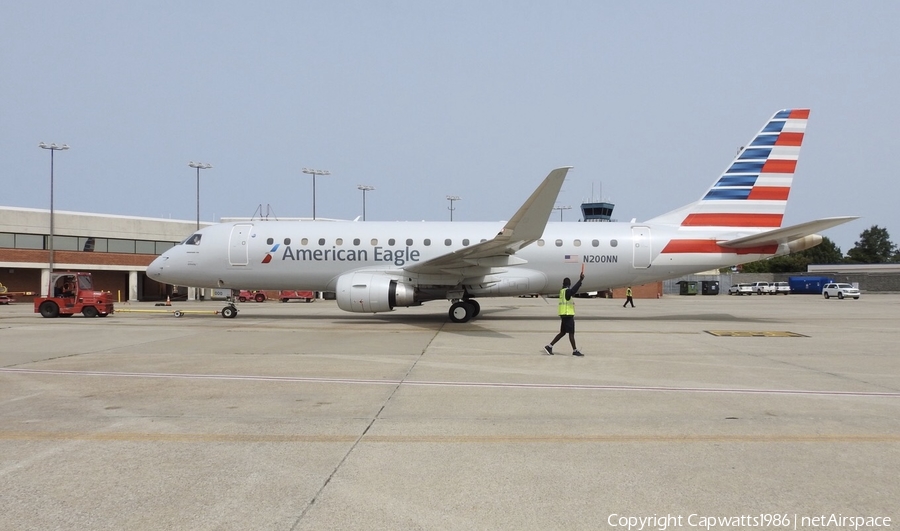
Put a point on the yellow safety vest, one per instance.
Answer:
(628, 292)
(566, 307)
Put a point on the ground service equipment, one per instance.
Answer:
(72, 293)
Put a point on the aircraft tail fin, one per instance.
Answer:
(752, 192)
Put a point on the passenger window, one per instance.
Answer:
(356, 241)
(427, 241)
(374, 241)
(409, 241)
(559, 243)
(447, 242)
(539, 242)
(391, 242)
(287, 241)
(613, 243)
(304, 241)
(466, 242)
(270, 241)
(595, 243)
(577, 243)
(321, 241)
(339, 241)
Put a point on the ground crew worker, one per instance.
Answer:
(628, 298)
(566, 315)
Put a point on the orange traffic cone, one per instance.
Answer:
(168, 301)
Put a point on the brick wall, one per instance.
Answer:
(645, 291)
(39, 256)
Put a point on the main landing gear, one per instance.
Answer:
(462, 311)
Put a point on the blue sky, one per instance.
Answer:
(649, 101)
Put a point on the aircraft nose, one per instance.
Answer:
(156, 267)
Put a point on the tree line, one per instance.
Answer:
(873, 247)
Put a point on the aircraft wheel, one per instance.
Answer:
(475, 306)
(90, 311)
(177, 313)
(229, 312)
(460, 312)
(49, 309)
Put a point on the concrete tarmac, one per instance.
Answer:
(298, 416)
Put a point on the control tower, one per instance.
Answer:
(599, 211)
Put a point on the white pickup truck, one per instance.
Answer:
(762, 288)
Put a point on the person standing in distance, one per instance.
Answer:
(566, 315)
(628, 298)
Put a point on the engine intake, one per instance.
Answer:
(372, 292)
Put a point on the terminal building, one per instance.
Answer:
(116, 250)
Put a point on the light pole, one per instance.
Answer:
(452, 198)
(52, 148)
(199, 166)
(314, 173)
(365, 188)
(561, 208)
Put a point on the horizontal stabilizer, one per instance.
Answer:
(787, 234)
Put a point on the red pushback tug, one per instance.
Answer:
(72, 293)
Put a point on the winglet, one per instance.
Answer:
(527, 224)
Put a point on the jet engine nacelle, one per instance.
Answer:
(372, 292)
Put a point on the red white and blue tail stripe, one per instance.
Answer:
(753, 191)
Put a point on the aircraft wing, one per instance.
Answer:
(524, 228)
(786, 234)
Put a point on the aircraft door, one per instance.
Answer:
(239, 244)
(640, 238)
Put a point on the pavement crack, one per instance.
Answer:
(368, 427)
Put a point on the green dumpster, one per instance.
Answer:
(688, 287)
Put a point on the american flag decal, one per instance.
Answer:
(571, 258)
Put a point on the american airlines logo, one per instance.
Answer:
(268, 258)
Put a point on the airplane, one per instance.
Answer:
(378, 266)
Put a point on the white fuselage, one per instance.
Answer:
(313, 254)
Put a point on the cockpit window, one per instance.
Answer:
(193, 239)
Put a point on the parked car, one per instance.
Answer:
(5, 299)
(782, 287)
(840, 290)
(740, 289)
(762, 288)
